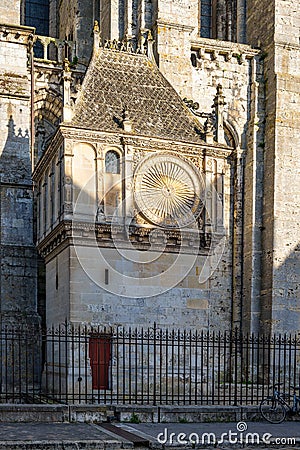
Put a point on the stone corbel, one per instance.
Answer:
(228, 56)
(214, 55)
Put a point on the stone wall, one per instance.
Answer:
(184, 302)
(10, 12)
(57, 289)
(286, 258)
(179, 305)
(18, 254)
(238, 69)
(274, 25)
(261, 119)
(75, 23)
(165, 291)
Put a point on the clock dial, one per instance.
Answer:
(167, 190)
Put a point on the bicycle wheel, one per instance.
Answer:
(272, 410)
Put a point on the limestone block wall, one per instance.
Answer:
(10, 12)
(274, 25)
(176, 22)
(49, 197)
(286, 258)
(57, 288)
(195, 67)
(66, 21)
(18, 254)
(118, 20)
(277, 33)
(238, 68)
(231, 69)
(183, 303)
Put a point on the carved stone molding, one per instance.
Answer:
(107, 235)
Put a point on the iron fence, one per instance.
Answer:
(149, 366)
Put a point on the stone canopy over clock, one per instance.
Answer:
(167, 190)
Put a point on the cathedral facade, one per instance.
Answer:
(150, 163)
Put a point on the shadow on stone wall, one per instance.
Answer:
(18, 253)
(283, 315)
(18, 270)
(15, 164)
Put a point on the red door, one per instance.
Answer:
(99, 354)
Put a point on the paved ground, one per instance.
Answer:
(50, 431)
(58, 436)
(261, 434)
(62, 436)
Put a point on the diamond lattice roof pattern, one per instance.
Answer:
(116, 81)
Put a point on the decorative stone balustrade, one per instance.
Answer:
(54, 50)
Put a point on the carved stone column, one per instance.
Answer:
(100, 168)
(219, 103)
(67, 180)
(208, 173)
(67, 77)
(128, 182)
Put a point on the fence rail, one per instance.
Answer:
(149, 366)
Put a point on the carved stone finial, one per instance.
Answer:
(127, 122)
(209, 128)
(66, 65)
(219, 103)
(219, 98)
(97, 37)
(96, 28)
(125, 114)
(67, 78)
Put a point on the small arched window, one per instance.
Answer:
(112, 162)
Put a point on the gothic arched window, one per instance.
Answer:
(206, 19)
(112, 162)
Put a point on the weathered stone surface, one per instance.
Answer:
(256, 283)
(18, 253)
(10, 11)
(281, 219)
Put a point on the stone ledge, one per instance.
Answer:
(85, 413)
(89, 413)
(33, 413)
(191, 414)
